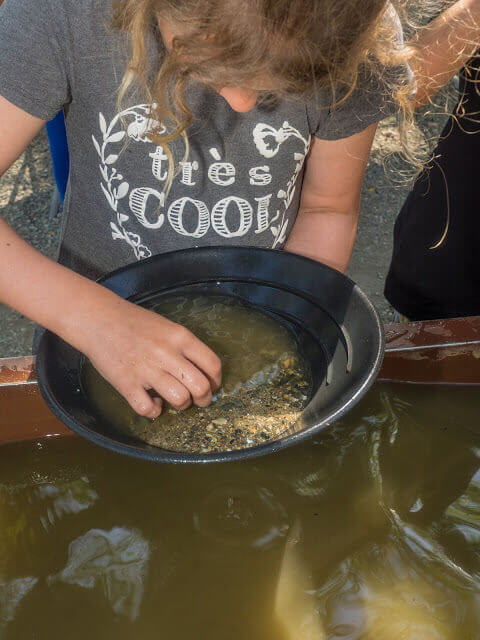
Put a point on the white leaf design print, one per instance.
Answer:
(107, 195)
(116, 234)
(104, 172)
(111, 159)
(267, 139)
(112, 186)
(116, 137)
(103, 124)
(122, 190)
(96, 145)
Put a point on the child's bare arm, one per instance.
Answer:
(327, 219)
(134, 349)
(444, 47)
(17, 129)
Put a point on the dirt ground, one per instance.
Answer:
(26, 191)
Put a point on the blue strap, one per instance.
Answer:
(57, 139)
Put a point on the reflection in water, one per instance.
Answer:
(11, 594)
(68, 497)
(371, 531)
(295, 603)
(361, 601)
(116, 560)
(242, 516)
(50, 497)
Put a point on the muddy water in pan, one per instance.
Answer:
(368, 532)
(265, 385)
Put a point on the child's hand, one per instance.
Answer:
(137, 350)
(134, 349)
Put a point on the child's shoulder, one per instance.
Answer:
(82, 10)
(75, 7)
(77, 25)
(73, 15)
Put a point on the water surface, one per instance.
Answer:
(370, 531)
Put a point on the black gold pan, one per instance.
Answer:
(337, 329)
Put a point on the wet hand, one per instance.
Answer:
(139, 351)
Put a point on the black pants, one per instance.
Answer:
(425, 283)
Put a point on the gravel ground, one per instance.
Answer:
(25, 195)
(26, 191)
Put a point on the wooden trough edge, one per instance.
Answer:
(434, 352)
(430, 352)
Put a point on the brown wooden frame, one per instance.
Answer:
(434, 352)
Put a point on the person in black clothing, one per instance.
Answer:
(435, 268)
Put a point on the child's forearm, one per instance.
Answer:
(48, 293)
(325, 236)
(133, 348)
(444, 46)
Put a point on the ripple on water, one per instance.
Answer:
(239, 516)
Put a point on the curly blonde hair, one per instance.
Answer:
(305, 45)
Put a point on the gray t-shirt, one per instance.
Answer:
(241, 184)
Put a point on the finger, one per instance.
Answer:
(194, 380)
(158, 402)
(206, 360)
(140, 401)
(171, 390)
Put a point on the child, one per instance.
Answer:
(190, 123)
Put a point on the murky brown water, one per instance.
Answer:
(265, 384)
(369, 532)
